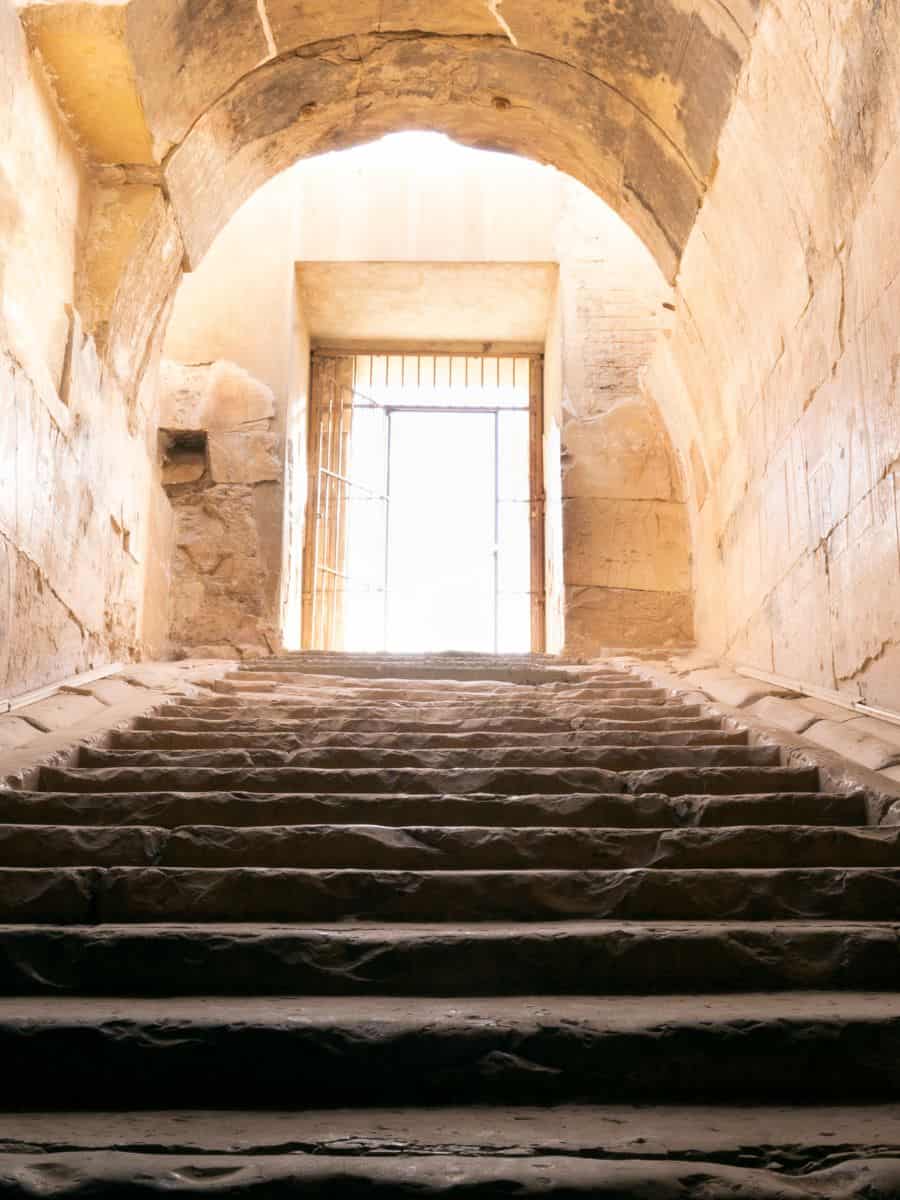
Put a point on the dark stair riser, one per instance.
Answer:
(136, 740)
(172, 1063)
(251, 810)
(166, 721)
(435, 848)
(608, 758)
(126, 894)
(509, 961)
(408, 780)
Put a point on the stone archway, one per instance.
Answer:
(210, 100)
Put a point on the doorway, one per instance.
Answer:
(425, 513)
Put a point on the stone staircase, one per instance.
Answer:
(352, 925)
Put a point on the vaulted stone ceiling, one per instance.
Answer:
(209, 98)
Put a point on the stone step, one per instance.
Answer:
(574, 957)
(401, 682)
(88, 895)
(635, 692)
(288, 678)
(607, 758)
(458, 670)
(795, 1141)
(119, 1174)
(608, 1152)
(164, 719)
(710, 780)
(251, 810)
(130, 739)
(340, 1051)
(297, 708)
(455, 848)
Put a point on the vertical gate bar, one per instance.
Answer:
(496, 530)
(322, 594)
(348, 398)
(537, 506)
(387, 526)
(311, 560)
(332, 491)
(324, 465)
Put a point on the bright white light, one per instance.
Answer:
(428, 153)
(452, 543)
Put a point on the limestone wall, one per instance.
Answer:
(780, 381)
(75, 474)
(626, 538)
(222, 469)
(617, 511)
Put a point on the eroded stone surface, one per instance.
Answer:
(62, 710)
(248, 809)
(574, 957)
(502, 1049)
(15, 732)
(463, 927)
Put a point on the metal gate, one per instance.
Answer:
(359, 395)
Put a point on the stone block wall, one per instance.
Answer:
(222, 467)
(75, 468)
(780, 381)
(619, 569)
(626, 556)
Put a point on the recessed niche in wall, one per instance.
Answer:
(183, 456)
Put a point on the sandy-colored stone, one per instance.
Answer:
(219, 595)
(113, 690)
(788, 379)
(83, 48)
(244, 457)
(15, 732)
(184, 468)
(738, 691)
(777, 381)
(855, 744)
(783, 714)
(62, 710)
(824, 711)
(219, 395)
(885, 731)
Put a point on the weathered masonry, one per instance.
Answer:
(776, 380)
(450, 598)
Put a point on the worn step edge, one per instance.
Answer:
(609, 758)
(164, 720)
(452, 848)
(137, 739)
(90, 895)
(121, 1174)
(792, 1140)
(424, 780)
(591, 810)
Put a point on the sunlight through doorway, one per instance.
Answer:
(426, 505)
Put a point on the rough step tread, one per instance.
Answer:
(793, 1139)
(422, 780)
(165, 720)
(608, 758)
(586, 809)
(120, 1174)
(86, 895)
(132, 739)
(430, 847)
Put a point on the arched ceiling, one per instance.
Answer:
(212, 97)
